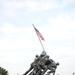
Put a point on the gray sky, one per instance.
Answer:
(19, 44)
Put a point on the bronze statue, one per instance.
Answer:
(41, 64)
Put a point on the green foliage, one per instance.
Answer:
(3, 71)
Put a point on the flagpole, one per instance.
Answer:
(39, 39)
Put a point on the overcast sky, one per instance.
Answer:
(19, 44)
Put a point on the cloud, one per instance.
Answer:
(33, 5)
(62, 27)
(12, 8)
(68, 1)
(45, 5)
(63, 21)
(16, 38)
(11, 57)
(8, 28)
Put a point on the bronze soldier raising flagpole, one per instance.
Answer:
(39, 36)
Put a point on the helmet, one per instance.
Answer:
(47, 56)
(37, 56)
(57, 63)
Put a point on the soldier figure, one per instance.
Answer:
(33, 65)
(40, 64)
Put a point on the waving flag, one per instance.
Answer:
(39, 34)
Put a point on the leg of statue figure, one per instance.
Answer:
(32, 73)
(28, 71)
(44, 71)
(49, 72)
(38, 72)
(54, 73)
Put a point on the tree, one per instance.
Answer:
(3, 71)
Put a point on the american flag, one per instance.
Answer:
(39, 34)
